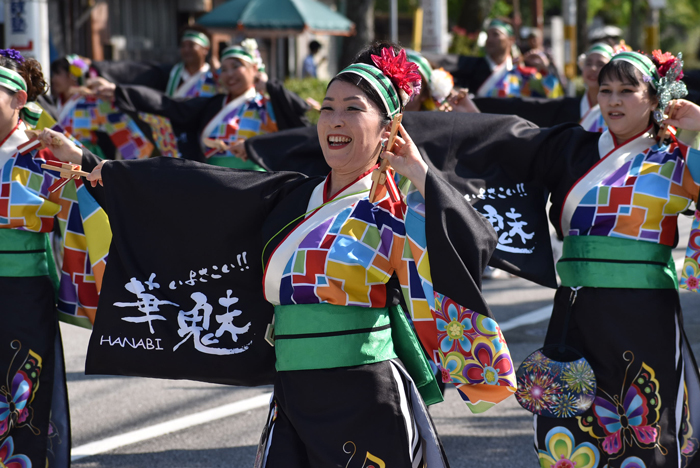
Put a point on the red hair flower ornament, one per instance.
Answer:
(403, 73)
(669, 85)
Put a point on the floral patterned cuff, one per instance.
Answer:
(473, 355)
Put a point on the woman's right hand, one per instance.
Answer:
(96, 174)
(102, 87)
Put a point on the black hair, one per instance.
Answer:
(625, 72)
(365, 56)
(314, 46)
(60, 66)
(30, 71)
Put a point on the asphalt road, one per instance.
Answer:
(104, 407)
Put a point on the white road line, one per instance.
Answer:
(157, 430)
(543, 313)
(538, 315)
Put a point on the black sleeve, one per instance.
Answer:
(182, 113)
(460, 242)
(542, 112)
(89, 162)
(290, 109)
(172, 219)
(152, 74)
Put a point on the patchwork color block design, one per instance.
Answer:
(90, 115)
(26, 204)
(347, 259)
(640, 200)
(524, 82)
(255, 117)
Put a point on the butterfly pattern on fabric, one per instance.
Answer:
(10, 459)
(371, 461)
(18, 393)
(630, 418)
(689, 444)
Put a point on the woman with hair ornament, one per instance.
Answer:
(352, 381)
(616, 208)
(34, 417)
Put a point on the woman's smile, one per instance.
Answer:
(336, 141)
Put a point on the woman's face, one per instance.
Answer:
(349, 128)
(10, 103)
(61, 82)
(237, 76)
(591, 69)
(626, 108)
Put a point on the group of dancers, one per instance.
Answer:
(375, 279)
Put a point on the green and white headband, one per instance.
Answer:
(381, 83)
(502, 26)
(237, 52)
(642, 63)
(196, 37)
(602, 49)
(13, 81)
(423, 65)
(247, 51)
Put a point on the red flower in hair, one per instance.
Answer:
(664, 62)
(403, 73)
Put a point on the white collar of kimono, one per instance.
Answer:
(497, 73)
(606, 143)
(274, 269)
(508, 63)
(66, 108)
(188, 81)
(226, 109)
(585, 104)
(13, 140)
(611, 159)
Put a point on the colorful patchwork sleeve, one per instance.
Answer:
(85, 239)
(467, 347)
(24, 200)
(542, 86)
(690, 274)
(84, 228)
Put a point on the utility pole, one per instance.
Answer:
(570, 50)
(394, 21)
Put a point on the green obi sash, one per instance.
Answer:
(23, 253)
(235, 163)
(325, 336)
(613, 262)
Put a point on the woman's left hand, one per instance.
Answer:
(61, 147)
(237, 148)
(405, 158)
(685, 115)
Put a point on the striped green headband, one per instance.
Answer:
(601, 48)
(381, 83)
(423, 65)
(13, 81)
(242, 54)
(239, 53)
(196, 37)
(501, 26)
(642, 63)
